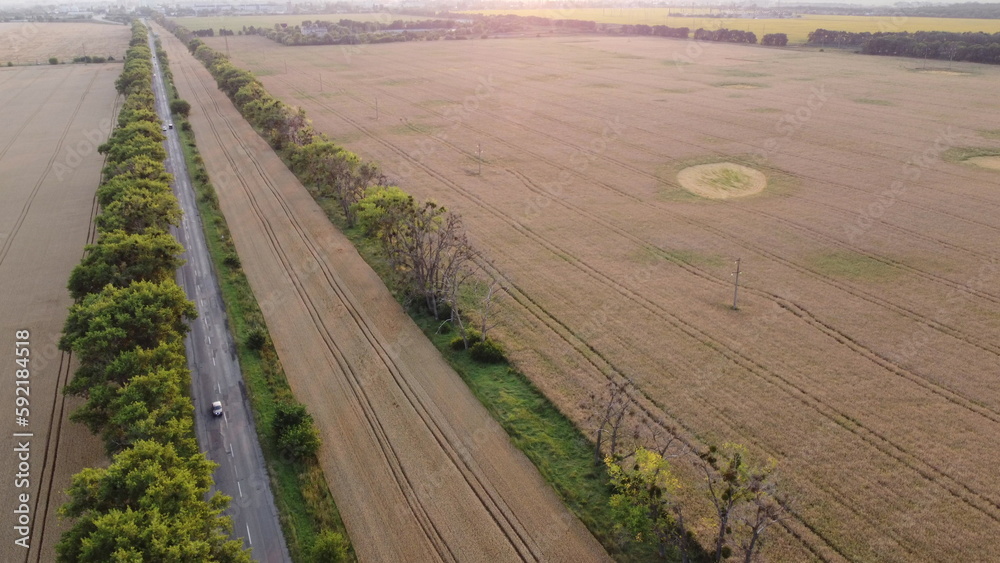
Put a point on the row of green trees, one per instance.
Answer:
(126, 330)
(425, 244)
(724, 35)
(976, 47)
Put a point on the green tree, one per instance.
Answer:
(294, 432)
(288, 415)
(180, 107)
(122, 185)
(138, 168)
(153, 406)
(139, 211)
(330, 547)
(100, 384)
(148, 505)
(643, 504)
(299, 442)
(53, 61)
(426, 245)
(143, 314)
(122, 151)
(120, 258)
(135, 131)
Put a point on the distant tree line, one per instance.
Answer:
(656, 30)
(350, 32)
(126, 330)
(976, 47)
(456, 26)
(717, 35)
(774, 40)
(964, 10)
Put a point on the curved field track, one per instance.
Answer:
(865, 349)
(418, 468)
(54, 118)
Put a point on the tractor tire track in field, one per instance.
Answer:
(17, 94)
(503, 518)
(804, 314)
(38, 108)
(48, 167)
(974, 499)
(56, 418)
(841, 337)
(43, 502)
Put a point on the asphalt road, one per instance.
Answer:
(229, 440)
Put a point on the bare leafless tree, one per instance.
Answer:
(608, 411)
(487, 306)
(762, 511)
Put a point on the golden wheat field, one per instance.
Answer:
(34, 43)
(864, 349)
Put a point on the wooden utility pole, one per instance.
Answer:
(736, 284)
(227, 45)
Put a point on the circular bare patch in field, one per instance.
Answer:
(722, 180)
(991, 162)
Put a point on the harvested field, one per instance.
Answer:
(419, 470)
(31, 43)
(54, 118)
(864, 353)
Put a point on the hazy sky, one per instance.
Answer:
(771, 3)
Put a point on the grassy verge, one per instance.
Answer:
(305, 505)
(961, 154)
(562, 454)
